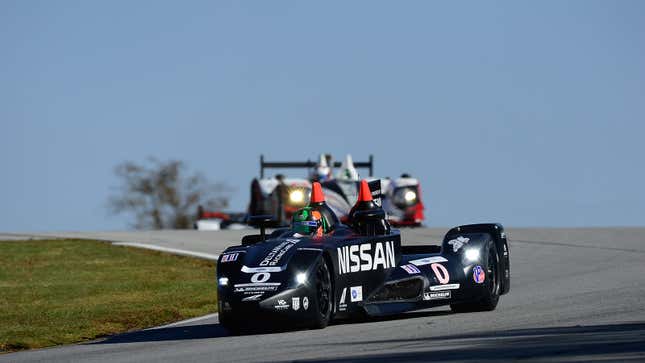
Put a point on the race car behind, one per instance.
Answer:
(280, 196)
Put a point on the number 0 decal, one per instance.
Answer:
(260, 277)
(441, 273)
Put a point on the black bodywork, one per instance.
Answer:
(367, 275)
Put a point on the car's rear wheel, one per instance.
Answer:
(492, 281)
(323, 287)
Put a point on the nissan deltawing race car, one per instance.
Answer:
(320, 270)
(280, 196)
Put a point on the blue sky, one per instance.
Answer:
(526, 113)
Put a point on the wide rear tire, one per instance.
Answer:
(489, 301)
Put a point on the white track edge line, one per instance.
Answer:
(187, 321)
(203, 255)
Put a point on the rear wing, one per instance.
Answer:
(310, 164)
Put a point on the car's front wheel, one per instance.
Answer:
(323, 287)
(492, 281)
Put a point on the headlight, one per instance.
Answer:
(301, 278)
(297, 196)
(472, 254)
(223, 281)
(404, 197)
(410, 196)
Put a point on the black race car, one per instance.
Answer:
(357, 270)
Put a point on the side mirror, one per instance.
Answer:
(261, 221)
(251, 239)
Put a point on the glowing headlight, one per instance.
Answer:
(410, 196)
(301, 278)
(297, 196)
(472, 254)
(223, 281)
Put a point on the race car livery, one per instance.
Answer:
(357, 269)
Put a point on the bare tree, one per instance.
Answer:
(161, 195)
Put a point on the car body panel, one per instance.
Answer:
(373, 275)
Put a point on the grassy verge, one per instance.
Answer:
(64, 291)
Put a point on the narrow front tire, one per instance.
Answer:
(490, 298)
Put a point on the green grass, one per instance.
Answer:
(64, 291)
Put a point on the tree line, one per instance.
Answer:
(164, 194)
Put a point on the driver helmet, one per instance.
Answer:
(309, 222)
(322, 171)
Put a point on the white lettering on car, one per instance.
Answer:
(366, 257)
(274, 256)
(260, 277)
(357, 258)
(355, 266)
(458, 242)
(428, 260)
(342, 306)
(441, 273)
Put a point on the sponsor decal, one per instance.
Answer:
(441, 273)
(357, 258)
(258, 284)
(436, 295)
(282, 305)
(375, 187)
(295, 303)
(256, 288)
(229, 257)
(444, 287)
(411, 269)
(252, 270)
(356, 293)
(274, 256)
(260, 277)
(305, 303)
(458, 242)
(478, 274)
(505, 250)
(255, 297)
(342, 306)
(428, 260)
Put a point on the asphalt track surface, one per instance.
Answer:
(577, 295)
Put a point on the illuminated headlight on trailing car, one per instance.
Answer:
(301, 278)
(410, 196)
(297, 196)
(405, 197)
(223, 281)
